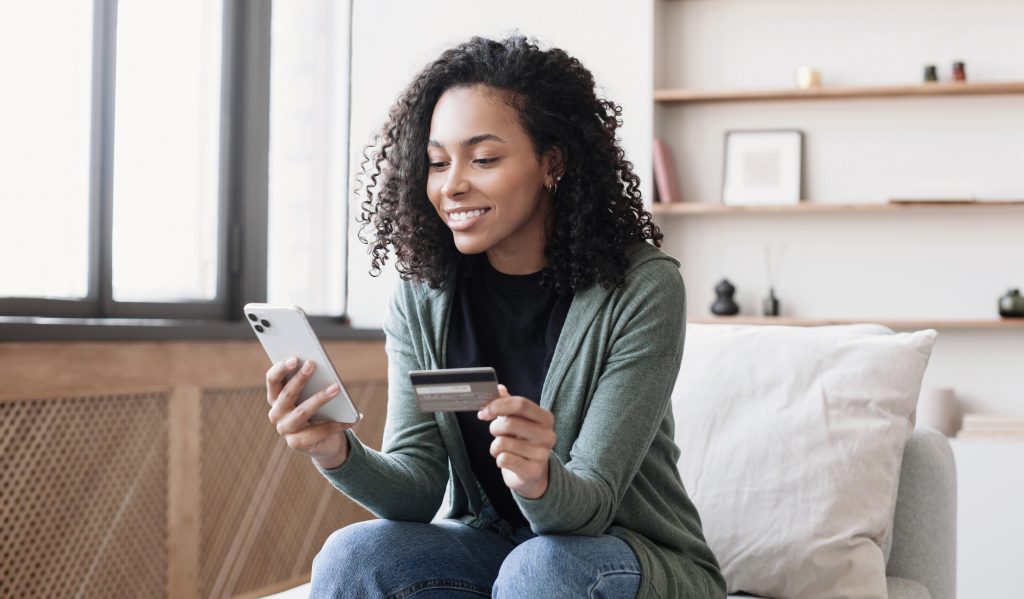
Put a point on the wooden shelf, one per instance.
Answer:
(692, 96)
(683, 96)
(709, 208)
(902, 325)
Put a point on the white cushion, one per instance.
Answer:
(791, 440)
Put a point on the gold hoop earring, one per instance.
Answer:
(554, 186)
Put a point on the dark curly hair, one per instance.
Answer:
(597, 208)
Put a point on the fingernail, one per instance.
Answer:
(307, 367)
(291, 362)
(482, 414)
(333, 389)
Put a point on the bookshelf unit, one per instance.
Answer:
(670, 211)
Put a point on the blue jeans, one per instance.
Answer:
(386, 559)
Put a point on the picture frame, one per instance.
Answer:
(762, 167)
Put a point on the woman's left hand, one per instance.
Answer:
(524, 435)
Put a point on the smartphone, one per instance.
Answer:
(454, 389)
(284, 331)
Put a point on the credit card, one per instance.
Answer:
(454, 389)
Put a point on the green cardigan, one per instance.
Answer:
(613, 468)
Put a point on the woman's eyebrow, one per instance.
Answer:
(471, 141)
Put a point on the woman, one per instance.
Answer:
(521, 238)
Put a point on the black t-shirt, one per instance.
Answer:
(511, 323)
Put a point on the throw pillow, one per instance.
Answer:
(791, 442)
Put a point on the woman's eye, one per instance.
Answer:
(481, 161)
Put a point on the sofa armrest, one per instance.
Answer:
(924, 529)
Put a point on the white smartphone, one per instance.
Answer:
(284, 331)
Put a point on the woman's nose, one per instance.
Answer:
(455, 183)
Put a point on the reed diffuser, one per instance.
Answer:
(770, 305)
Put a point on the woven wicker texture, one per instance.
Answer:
(83, 496)
(266, 511)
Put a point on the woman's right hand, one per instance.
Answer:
(324, 442)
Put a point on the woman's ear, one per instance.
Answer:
(554, 162)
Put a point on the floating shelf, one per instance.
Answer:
(709, 208)
(681, 96)
(902, 325)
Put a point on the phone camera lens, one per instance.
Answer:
(252, 317)
(265, 323)
(259, 328)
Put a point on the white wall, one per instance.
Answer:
(920, 265)
(393, 39)
(990, 527)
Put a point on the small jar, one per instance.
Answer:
(930, 73)
(1011, 305)
(959, 74)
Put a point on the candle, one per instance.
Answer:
(806, 77)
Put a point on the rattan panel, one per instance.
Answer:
(83, 496)
(265, 509)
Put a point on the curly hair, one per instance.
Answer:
(597, 208)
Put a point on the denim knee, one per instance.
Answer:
(384, 558)
(534, 559)
(569, 566)
(350, 556)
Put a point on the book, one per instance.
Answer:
(991, 426)
(992, 422)
(665, 181)
(1007, 435)
(932, 201)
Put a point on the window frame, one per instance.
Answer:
(242, 205)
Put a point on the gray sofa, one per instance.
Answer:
(922, 562)
(924, 531)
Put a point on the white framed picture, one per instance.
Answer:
(762, 167)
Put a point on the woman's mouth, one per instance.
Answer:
(464, 219)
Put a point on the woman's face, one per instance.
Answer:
(485, 180)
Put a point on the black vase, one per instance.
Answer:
(724, 304)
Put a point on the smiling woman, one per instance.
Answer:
(503, 122)
(489, 188)
(522, 242)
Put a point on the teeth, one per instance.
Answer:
(461, 216)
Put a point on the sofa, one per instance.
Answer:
(920, 536)
(924, 531)
(922, 563)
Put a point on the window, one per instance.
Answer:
(167, 162)
(166, 150)
(308, 155)
(44, 149)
